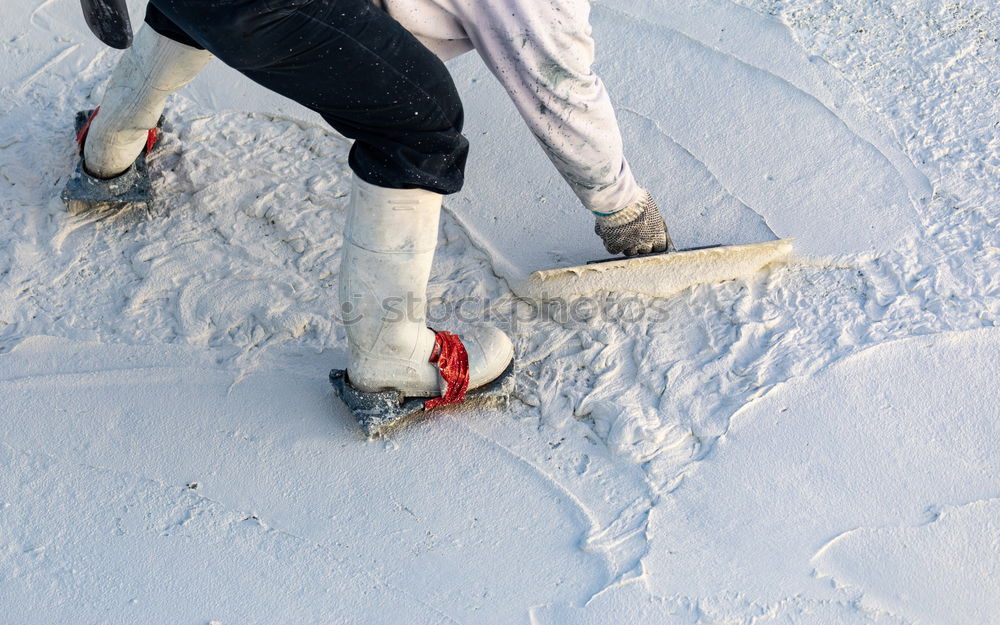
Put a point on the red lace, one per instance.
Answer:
(81, 136)
(151, 138)
(453, 362)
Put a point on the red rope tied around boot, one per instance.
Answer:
(151, 137)
(453, 362)
(81, 136)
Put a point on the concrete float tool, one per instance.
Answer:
(655, 275)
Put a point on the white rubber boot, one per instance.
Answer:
(389, 245)
(149, 71)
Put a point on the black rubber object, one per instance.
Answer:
(686, 249)
(108, 19)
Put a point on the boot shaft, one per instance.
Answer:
(148, 72)
(388, 251)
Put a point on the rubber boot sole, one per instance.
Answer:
(377, 411)
(130, 190)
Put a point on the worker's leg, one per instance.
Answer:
(354, 65)
(374, 82)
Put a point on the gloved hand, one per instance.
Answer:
(636, 229)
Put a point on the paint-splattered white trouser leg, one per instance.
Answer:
(542, 52)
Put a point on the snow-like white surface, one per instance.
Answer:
(273, 487)
(883, 438)
(945, 571)
(646, 471)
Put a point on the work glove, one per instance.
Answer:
(636, 229)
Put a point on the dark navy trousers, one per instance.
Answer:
(350, 62)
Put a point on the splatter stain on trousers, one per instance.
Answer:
(364, 73)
